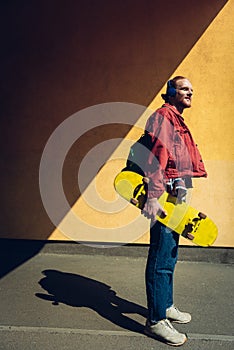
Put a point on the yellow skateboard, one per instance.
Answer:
(181, 217)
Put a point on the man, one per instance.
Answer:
(173, 161)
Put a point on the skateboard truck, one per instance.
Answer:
(140, 193)
(187, 231)
(191, 226)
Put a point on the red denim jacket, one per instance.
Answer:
(174, 153)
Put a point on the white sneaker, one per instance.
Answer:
(174, 315)
(164, 331)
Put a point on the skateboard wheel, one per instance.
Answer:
(134, 201)
(190, 236)
(145, 180)
(202, 215)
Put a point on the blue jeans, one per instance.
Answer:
(162, 258)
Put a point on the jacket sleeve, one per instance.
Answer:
(161, 130)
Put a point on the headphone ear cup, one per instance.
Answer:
(171, 91)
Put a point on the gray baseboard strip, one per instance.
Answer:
(17, 247)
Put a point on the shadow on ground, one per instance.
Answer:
(79, 291)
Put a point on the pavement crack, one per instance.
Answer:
(59, 330)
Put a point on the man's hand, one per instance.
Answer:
(153, 208)
(179, 189)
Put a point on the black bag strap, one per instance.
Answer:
(159, 129)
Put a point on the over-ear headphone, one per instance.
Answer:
(171, 90)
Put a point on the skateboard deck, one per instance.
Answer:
(181, 217)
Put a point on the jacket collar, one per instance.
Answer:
(173, 108)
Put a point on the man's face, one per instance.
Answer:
(183, 98)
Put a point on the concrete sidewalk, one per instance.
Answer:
(96, 302)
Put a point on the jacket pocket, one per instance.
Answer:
(183, 160)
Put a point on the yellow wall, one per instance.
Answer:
(210, 67)
(58, 63)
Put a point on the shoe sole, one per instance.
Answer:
(154, 336)
(179, 322)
